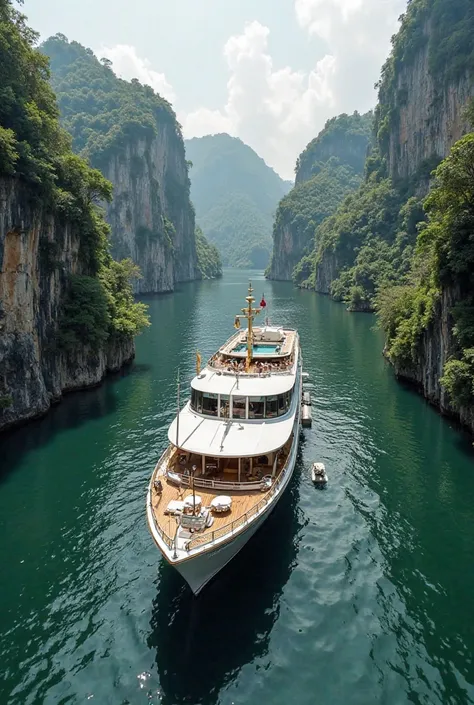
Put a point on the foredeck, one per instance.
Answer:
(245, 501)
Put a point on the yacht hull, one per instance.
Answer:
(200, 569)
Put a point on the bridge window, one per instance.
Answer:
(204, 402)
(271, 408)
(256, 407)
(224, 410)
(209, 404)
(196, 401)
(239, 407)
(284, 402)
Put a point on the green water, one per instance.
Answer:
(358, 594)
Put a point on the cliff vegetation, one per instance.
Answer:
(443, 262)
(131, 134)
(58, 283)
(328, 169)
(425, 86)
(208, 257)
(235, 195)
(102, 112)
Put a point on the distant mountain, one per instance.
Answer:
(235, 195)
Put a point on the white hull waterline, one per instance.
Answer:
(232, 451)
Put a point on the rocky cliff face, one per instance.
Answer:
(430, 115)
(289, 245)
(151, 216)
(436, 347)
(329, 167)
(37, 253)
(131, 134)
(327, 269)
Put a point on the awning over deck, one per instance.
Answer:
(229, 438)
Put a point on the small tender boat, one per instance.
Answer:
(318, 474)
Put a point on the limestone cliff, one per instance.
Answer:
(424, 91)
(132, 135)
(151, 216)
(37, 253)
(436, 346)
(327, 170)
(431, 117)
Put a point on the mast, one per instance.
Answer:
(177, 417)
(249, 313)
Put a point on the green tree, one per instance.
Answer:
(97, 303)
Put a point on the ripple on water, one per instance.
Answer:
(358, 593)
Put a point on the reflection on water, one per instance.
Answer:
(202, 642)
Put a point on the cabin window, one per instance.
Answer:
(284, 402)
(196, 400)
(271, 407)
(209, 404)
(256, 407)
(239, 405)
(224, 408)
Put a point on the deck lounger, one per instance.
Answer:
(175, 506)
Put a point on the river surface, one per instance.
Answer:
(362, 593)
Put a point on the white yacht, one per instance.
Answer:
(232, 450)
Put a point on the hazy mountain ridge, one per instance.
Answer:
(235, 194)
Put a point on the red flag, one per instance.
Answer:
(263, 303)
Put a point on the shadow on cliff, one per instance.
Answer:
(74, 409)
(203, 642)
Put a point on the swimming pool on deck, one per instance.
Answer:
(259, 348)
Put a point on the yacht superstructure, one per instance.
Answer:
(232, 450)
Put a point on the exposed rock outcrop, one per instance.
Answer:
(131, 134)
(327, 270)
(151, 216)
(435, 348)
(37, 253)
(431, 114)
(330, 167)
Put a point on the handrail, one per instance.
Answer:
(167, 539)
(216, 484)
(288, 371)
(210, 537)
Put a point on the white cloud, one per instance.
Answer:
(274, 111)
(358, 33)
(127, 64)
(278, 111)
(207, 122)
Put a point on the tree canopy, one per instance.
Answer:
(329, 168)
(443, 260)
(208, 257)
(36, 150)
(101, 111)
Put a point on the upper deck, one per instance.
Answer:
(273, 351)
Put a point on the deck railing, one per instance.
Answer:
(216, 484)
(211, 536)
(164, 459)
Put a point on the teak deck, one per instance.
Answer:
(243, 501)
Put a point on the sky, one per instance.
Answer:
(268, 71)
